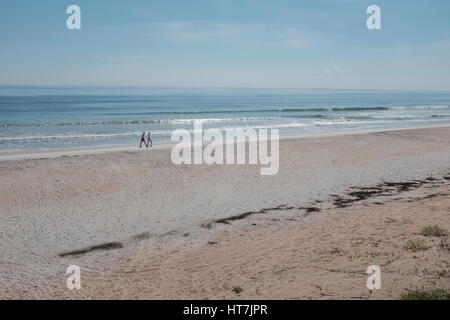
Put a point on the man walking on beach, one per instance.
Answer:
(143, 140)
(149, 141)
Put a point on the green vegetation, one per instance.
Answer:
(435, 294)
(444, 245)
(415, 245)
(434, 231)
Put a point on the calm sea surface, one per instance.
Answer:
(58, 117)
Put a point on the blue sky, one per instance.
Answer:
(227, 43)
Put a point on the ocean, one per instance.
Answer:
(63, 117)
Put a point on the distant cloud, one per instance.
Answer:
(443, 44)
(294, 38)
(172, 24)
(297, 42)
(188, 30)
(332, 70)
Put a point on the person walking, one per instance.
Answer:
(149, 140)
(143, 140)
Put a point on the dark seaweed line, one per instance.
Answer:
(249, 213)
(244, 215)
(381, 190)
(358, 194)
(104, 246)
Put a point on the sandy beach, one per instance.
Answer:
(141, 227)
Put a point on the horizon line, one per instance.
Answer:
(213, 87)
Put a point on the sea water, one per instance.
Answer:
(60, 117)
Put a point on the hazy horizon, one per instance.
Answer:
(227, 44)
(93, 86)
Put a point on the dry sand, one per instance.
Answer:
(141, 227)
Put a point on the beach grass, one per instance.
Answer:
(435, 294)
(444, 245)
(415, 245)
(434, 231)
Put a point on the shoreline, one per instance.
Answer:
(93, 150)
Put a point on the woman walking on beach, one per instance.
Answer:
(143, 140)
(149, 141)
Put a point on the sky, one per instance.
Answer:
(227, 43)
